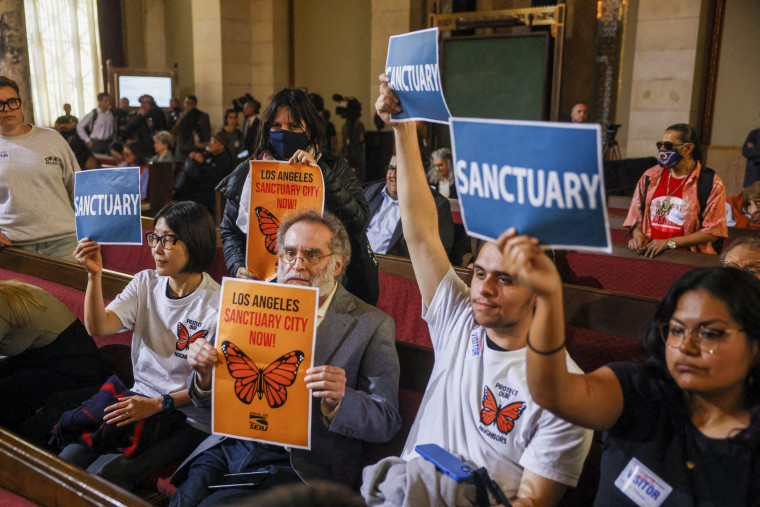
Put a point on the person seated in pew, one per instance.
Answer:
(292, 130)
(47, 350)
(116, 150)
(678, 203)
(354, 381)
(743, 209)
(384, 231)
(681, 429)
(441, 173)
(134, 157)
(744, 254)
(167, 309)
(203, 171)
(477, 404)
(162, 142)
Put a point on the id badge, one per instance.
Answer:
(676, 216)
(642, 485)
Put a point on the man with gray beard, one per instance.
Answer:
(354, 381)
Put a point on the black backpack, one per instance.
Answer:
(704, 187)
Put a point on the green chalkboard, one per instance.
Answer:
(497, 77)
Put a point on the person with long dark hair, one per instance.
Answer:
(682, 429)
(677, 203)
(167, 309)
(292, 130)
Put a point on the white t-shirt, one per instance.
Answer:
(451, 412)
(37, 187)
(159, 355)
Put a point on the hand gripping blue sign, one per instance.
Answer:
(412, 65)
(545, 179)
(107, 205)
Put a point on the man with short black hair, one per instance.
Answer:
(193, 122)
(354, 381)
(148, 121)
(477, 404)
(96, 128)
(251, 124)
(67, 123)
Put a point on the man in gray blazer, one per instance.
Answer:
(354, 382)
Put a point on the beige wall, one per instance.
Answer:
(666, 76)
(737, 94)
(332, 54)
(178, 23)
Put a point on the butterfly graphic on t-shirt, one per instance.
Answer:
(184, 339)
(505, 417)
(270, 381)
(269, 225)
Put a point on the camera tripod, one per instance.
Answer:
(611, 150)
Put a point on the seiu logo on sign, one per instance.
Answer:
(4, 155)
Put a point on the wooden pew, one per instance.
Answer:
(59, 271)
(584, 306)
(43, 478)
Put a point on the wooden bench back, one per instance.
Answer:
(43, 478)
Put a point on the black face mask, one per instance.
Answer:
(286, 143)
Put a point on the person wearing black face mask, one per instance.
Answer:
(678, 203)
(292, 130)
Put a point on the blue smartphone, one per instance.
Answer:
(445, 462)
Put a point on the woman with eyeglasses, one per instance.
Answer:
(677, 204)
(37, 170)
(292, 130)
(167, 309)
(681, 429)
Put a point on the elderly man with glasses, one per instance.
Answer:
(36, 182)
(354, 381)
(744, 254)
(384, 230)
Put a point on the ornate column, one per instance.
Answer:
(14, 57)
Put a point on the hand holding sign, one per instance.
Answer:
(202, 357)
(387, 103)
(327, 382)
(528, 264)
(87, 253)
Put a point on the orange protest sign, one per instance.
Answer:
(277, 188)
(265, 343)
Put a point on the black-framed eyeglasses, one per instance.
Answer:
(668, 145)
(312, 257)
(390, 168)
(167, 240)
(10, 104)
(705, 338)
(751, 269)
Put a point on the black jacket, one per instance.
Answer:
(397, 246)
(343, 197)
(197, 180)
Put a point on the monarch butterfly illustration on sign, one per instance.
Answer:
(184, 339)
(271, 381)
(504, 417)
(268, 224)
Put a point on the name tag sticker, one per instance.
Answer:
(642, 485)
(675, 216)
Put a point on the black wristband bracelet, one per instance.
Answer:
(548, 352)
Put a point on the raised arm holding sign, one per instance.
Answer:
(478, 405)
